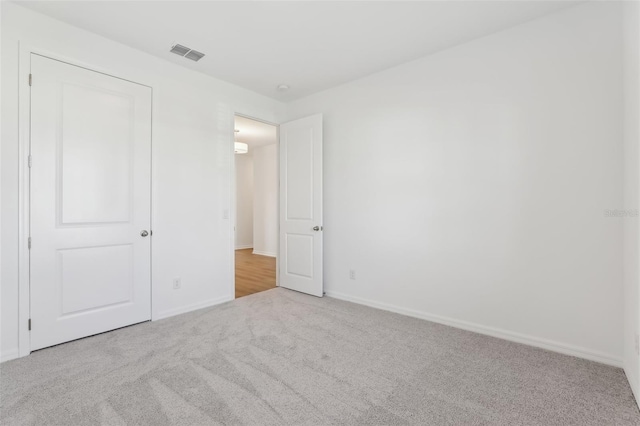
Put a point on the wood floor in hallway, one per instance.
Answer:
(254, 273)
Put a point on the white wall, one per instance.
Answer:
(469, 187)
(631, 188)
(192, 133)
(244, 201)
(265, 201)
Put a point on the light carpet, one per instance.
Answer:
(284, 358)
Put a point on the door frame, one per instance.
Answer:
(24, 182)
(232, 210)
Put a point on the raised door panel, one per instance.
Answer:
(95, 155)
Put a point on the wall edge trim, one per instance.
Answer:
(193, 307)
(537, 342)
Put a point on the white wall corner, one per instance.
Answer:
(631, 191)
(633, 385)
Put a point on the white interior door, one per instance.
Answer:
(90, 202)
(301, 205)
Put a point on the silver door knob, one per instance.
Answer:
(316, 228)
(144, 233)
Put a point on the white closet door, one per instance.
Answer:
(90, 256)
(301, 205)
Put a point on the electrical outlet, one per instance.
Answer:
(637, 345)
(352, 274)
(225, 214)
(177, 283)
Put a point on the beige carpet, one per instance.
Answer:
(283, 358)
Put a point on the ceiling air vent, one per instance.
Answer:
(194, 55)
(186, 52)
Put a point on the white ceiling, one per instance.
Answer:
(308, 45)
(255, 133)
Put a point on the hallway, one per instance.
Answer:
(254, 273)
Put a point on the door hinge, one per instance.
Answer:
(30, 79)
(29, 243)
(29, 324)
(29, 160)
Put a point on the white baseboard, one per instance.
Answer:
(9, 355)
(489, 331)
(264, 253)
(244, 246)
(193, 307)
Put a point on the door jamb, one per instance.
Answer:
(232, 210)
(24, 183)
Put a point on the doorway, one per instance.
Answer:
(256, 195)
